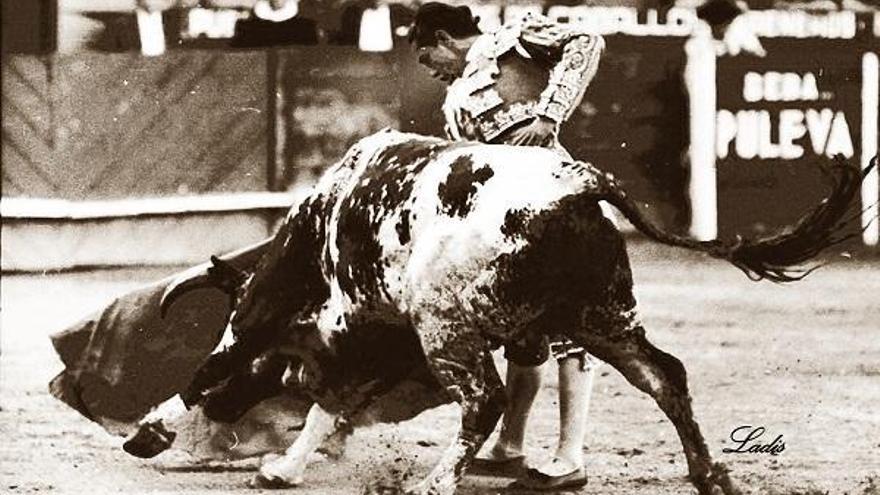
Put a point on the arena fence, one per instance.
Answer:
(90, 126)
(55, 234)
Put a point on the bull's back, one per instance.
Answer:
(409, 211)
(466, 200)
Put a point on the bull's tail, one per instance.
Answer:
(775, 258)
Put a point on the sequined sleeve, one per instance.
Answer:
(575, 55)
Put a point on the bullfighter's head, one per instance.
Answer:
(442, 35)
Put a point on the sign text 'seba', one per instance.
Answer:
(765, 133)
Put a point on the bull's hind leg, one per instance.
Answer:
(460, 360)
(663, 377)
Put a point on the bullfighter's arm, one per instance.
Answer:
(575, 58)
(451, 131)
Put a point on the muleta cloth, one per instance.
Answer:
(125, 359)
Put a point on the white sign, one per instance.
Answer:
(680, 21)
(750, 132)
(625, 20)
(780, 86)
(212, 23)
(802, 24)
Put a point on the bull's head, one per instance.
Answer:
(219, 275)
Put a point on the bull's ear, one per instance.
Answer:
(227, 268)
(226, 276)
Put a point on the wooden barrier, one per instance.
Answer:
(97, 125)
(40, 234)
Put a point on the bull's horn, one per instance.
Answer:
(224, 273)
(195, 278)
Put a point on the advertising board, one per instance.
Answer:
(778, 119)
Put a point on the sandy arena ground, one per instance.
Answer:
(802, 360)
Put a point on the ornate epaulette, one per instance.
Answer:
(540, 31)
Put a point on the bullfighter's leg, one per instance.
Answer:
(522, 385)
(464, 368)
(663, 377)
(576, 371)
(575, 388)
(566, 468)
(287, 470)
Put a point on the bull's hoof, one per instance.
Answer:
(261, 481)
(150, 440)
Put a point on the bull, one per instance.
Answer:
(413, 255)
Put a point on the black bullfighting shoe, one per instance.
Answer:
(538, 481)
(511, 467)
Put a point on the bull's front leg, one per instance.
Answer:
(463, 366)
(287, 470)
(155, 432)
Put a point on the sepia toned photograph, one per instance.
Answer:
(402, 247)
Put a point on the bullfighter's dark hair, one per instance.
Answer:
(718, 12)
(459, 22)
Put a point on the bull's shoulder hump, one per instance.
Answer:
(511, 153)
(390, 137)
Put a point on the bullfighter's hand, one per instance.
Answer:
(539, 132)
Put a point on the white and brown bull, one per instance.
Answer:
(413, 254)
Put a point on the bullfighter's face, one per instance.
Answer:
(445, 60)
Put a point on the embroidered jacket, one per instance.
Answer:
(533, 68)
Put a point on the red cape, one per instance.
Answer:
(126, 358)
